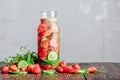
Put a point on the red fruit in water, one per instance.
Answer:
(5, 69)
(36, 70)
(29, 68)
(63, 64)
(55, 36)
(92, 69)
(42, 55)
(13, 67)
(47, 33)
(76, 66)
(59, 69)
(39, 49)
(54, 28)
(44, 43)
(42, 27)
(53, 49)
(44, 49)
(39, 39)
(53, 43)
(40, 35)
(22, 69)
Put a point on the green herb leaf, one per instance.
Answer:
(24, 54)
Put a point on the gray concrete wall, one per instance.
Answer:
(90, 29)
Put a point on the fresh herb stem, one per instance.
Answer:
(100, 71)
(24, 54)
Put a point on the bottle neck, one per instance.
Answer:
(48, 20)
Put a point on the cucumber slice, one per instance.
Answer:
(24, 72)
(52, 56)
(82, 71)
(48, 72)
(14, 72)
(22, 64)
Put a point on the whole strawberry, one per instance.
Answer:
(5, 69)
(13, 67)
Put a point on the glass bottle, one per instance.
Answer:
(48, 41)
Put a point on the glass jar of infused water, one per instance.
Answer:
(48, 41)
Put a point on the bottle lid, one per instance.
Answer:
(48, 15)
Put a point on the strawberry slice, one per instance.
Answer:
(42, 53)
(39, 48)
(47, 33)
(42, 27)
(54, 49)
(44, 43)
(13, 67)
(45, 67)
(53, 43)
(55, 36)
(44, 49)
(54, 28)
(38, 39)
(40, 34)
